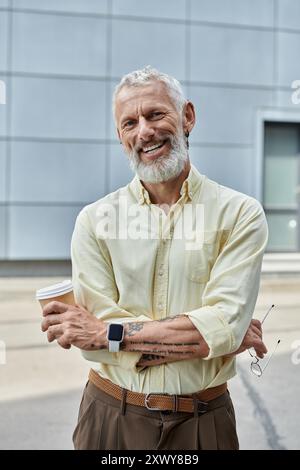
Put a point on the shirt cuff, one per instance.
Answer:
(212, 325)
(124, 359)
(103, 356)
(129, 360)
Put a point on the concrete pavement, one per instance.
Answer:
(41, 384)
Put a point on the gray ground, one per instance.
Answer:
(41, 385)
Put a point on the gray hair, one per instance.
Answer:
(144, 77)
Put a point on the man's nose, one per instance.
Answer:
(145, 130)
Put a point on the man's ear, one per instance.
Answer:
(189, 117)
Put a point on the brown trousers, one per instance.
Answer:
(105, 423)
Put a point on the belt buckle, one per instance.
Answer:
(147, 398)
(202, 406)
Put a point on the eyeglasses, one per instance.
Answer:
(256, 369)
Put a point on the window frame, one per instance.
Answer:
(269, 115)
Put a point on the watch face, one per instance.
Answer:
(115, 332)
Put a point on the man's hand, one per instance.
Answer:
(253, 339)
(73, 325)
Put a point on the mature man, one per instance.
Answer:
(165, 306)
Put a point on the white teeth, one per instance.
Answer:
(154, 147)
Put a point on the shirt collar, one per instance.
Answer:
(188, 188)
(144, 197)
(191, 184)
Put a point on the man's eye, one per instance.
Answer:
(128, 124)
(156, 114)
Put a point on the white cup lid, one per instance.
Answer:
(55, 290)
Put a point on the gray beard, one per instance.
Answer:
(163, 168)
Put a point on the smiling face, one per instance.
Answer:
(151, 129)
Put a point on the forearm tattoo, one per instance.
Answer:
(156, 352)
(151, 357)
(134, 327)
(163, 344)
(157, 349)
(169, 318)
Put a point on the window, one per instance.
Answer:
(281, 189)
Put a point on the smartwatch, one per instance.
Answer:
(115, 335)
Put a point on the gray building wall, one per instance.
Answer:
(60, 60)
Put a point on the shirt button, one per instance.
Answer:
(160, 305)
(160, 273)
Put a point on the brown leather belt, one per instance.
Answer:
(198, 402)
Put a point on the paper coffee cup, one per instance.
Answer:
(61, 292)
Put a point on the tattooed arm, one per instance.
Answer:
(252, 338)
(168, 340)
(173, 339)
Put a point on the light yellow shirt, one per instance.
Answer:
(132, 262)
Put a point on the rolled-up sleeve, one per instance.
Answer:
(95, 288)
(230, 295)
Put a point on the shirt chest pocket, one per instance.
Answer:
(201, 256)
